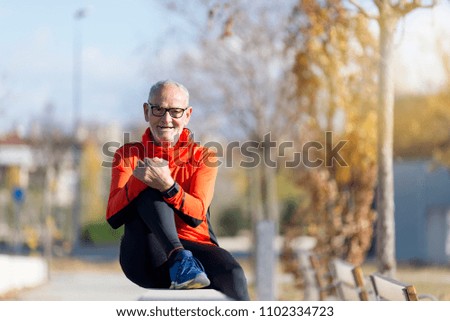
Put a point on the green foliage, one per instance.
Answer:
(288, 211)
(231, 221)
(100, 233)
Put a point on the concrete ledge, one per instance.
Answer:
(19, 272)
(184, 295)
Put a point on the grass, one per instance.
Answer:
(433, 280)
(100, 233)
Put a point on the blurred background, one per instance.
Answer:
(73, 78)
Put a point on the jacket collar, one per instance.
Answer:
(179, 152)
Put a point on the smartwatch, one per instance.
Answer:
(172, 191)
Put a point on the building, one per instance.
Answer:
(422, 212)
(16, 159)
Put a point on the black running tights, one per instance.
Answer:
(150, 235)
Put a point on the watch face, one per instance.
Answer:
(172, 191)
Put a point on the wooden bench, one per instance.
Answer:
(389, 289)
(349, 281)
(183, 295)
(318, 282)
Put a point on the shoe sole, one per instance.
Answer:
(200, 281)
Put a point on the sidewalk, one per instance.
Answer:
(84, 286)
(91, 274)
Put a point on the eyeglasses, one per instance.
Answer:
(159, 111)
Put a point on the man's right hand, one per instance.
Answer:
(155, 173)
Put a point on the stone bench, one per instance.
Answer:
(183, 295)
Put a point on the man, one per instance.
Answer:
(161, 189)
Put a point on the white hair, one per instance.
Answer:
(160, 84)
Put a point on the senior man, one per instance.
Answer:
(161, 190)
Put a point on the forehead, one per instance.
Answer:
(171, 95)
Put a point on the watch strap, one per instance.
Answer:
(172, 191)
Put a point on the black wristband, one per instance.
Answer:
(172, 191)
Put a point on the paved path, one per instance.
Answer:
(84, 286)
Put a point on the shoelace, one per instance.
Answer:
(191, 262)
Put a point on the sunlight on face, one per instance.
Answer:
(166, 130)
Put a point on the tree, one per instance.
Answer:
(425, 119)
(334, 56)
(94, 203)
(440, 102)
(389, 14)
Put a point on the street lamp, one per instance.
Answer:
(77, 144)
(77, 68)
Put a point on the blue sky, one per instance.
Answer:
(126, 46)
(122, 46)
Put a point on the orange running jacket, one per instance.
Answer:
(192, 166)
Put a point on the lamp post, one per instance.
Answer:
(77, 68)
(77, 144)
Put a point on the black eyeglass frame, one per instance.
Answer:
(169, 110)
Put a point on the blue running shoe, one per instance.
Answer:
(187, 272)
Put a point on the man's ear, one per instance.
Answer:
(188, 114)
(146, 110)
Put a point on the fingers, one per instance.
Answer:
(154, 172)
(155, 162)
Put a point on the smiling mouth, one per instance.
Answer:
(165, 127)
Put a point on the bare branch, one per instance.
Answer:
(362, 10)
(404, 7)
(378, 3)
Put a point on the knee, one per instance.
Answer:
(148, 195)
(151, 201)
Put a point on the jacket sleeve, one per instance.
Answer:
(124, 187)
(192, 204)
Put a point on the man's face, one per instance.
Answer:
(166, 129)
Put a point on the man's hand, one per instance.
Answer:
(155, 173)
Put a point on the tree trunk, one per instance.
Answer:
(270, 192)
(255, 196)
(385, 193)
